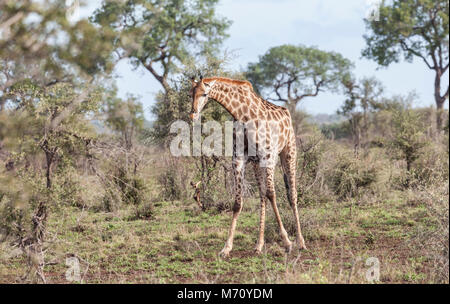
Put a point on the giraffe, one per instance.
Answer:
(246, 107)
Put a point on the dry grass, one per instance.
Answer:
(173, 241)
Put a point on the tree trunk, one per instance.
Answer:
(439, 112)
(438, 99)
(162, 79)
(291, 106)
(48, 174)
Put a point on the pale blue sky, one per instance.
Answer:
(327, 24)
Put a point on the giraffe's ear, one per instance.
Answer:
(193, 82)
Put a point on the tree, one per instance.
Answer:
(291, 73)
(126, 117)
(413, 28)
(408, 135)
(31, 46)
(362, 97)
(48, 73)
(160, 35)
(34, 128)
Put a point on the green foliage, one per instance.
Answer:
(289, 73)
(170, 189)
(363, 97)
(90, 48)
(111, 201)
(413, 28)
(14, 204)
(132, 188)
(124, 117)
(162, 35)
(408, 135)
(409, 28)
(35, 41)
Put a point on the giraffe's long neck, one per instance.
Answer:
(237, 99)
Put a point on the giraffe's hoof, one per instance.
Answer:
(258, 251)
(288, 248)
(224, 253)
(301, 245)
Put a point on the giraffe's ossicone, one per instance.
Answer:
(263, 131)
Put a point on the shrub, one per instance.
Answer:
(72, 188)
(337, 130)
(309, 168)
(143, 212)
(12, 218)
(408, 135)
(431, 166)
(433, 238)
(216, 185)
(111, 200)
(171, 181)
(349, 175)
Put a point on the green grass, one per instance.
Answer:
(180, 245)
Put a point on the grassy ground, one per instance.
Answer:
(180, 245)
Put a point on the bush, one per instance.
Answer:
(337, 130)
(431, 167)
(72, 188)
(408, 135)
(310, 168)
(12, 218)
(349, 175)
(131, 186)
(111, 200)
(433, 239)
(173, 179)
(143, 212)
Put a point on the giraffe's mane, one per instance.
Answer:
(229, 80)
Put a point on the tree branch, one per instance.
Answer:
(277, 87)
(407, 48)
(317, 85)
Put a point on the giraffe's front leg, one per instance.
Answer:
(260, 178)
(238, 166)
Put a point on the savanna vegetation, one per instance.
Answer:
(83, 175)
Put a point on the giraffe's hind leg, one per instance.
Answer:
(270, 194)
(260, 178)
(288, 162)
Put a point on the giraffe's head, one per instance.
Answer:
(200, 94)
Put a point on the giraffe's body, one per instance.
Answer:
(270, 133)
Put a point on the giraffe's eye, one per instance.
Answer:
(204, 95)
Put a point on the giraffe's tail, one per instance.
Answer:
(286, 183)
